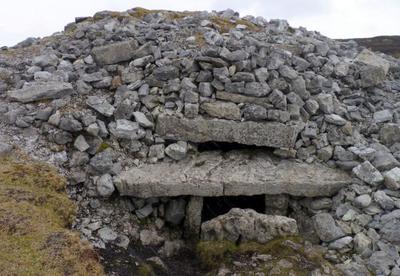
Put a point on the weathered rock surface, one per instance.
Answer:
(41, 91)
(115, 53)
(235, 173)
(326, 227)
(202, 130)
(249, 226)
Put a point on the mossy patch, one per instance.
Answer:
(103, 146)
(214, 254)
(145, 270)
(34, 215)
(140, 13)
(225, 25)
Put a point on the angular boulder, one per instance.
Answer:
(115, 53)
(248, 225)
(41, 91)
(231, 174)
(200, 130)
(374, 68)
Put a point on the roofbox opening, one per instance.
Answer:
(223, 146)
(216, 206)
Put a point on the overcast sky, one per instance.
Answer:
(20, 19)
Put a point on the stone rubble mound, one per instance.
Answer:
(122, 100)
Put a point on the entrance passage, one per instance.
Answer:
(216, 206)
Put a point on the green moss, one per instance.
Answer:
(140, 13)
(103, 146)
(145, 270)
(34, 214)
(225, 25)
(200, 41)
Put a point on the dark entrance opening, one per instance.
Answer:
(224, 146)
(216, 206)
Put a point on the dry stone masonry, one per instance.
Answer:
(150, 112)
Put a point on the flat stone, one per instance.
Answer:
(223, 110)
(237, 98)
(101, 105)
(142, 120)
(368, 173)
(235, 173)
(390, 231)
(248, 225)
(383, 116)
(115, 53)
(200, 130)
(41, 91)
(107, 234)
(81, 144)
(335, 119)
(125, 129)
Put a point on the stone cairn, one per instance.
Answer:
(121, 101)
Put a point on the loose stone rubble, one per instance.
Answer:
(126, 104)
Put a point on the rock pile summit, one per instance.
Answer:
(155, 114)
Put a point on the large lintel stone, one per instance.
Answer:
(200, 130)
(231, 174)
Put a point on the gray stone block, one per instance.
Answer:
(200, 130)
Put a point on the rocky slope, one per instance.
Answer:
(143, 111)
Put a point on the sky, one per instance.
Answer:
(20, 19)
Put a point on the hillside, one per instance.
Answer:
(389, 45)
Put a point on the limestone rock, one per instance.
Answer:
(249, 226)
(201, 130)
(237, 98)
(223, 110)
(125, 129)
(115, 53)
(326, 227)
(192, 222)
(369, 58)
(142, 120)
(235, 173)
(368, 173)
(101, 105)
(41, 91)
(392, 178)
(105, 186)
(177, 151)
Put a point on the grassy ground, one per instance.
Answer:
(35, 214)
